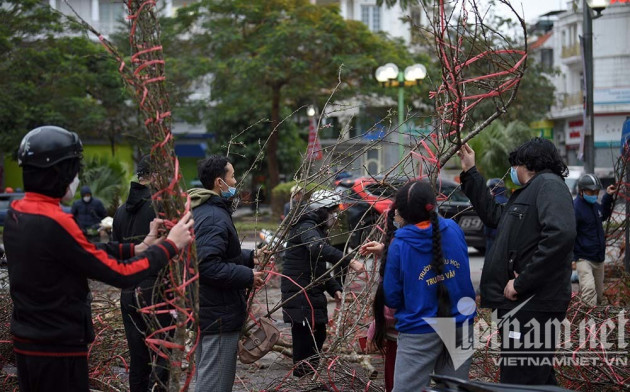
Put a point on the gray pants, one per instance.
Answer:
(216, 362)
(591, 276)
(420, 355)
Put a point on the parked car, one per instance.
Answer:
(366, 199)
(5, 201)
(7, 198)
(457, 206)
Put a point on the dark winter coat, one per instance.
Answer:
(132, 220)
(50, 262)
(225, 271)
(88, 215)
(590, 243)
(499, 196)
(304, 261)
(535, 237)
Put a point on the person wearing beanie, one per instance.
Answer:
(88, 211)
(131, 224)
(50, 260)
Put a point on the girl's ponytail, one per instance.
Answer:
(437, 264)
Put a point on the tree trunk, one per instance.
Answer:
(272, 144)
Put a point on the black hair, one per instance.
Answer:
(539, 154)
(51, 181)
(378, 305)
(416, 203)
(210, 168)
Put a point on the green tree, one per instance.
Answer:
(492, 146)
(51, 74)
(269, 57)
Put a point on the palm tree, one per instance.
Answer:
(108, 180)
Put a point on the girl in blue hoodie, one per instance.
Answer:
(427, 281)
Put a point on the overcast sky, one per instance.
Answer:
(532, 9)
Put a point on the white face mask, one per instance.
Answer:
(72, 188)
(87, 199)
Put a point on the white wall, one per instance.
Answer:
(391, 22)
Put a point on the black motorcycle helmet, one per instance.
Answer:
(50, 157)
(495, 183)
(590, 182)
(48, 145)
(496, 186)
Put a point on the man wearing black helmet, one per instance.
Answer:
(589, 251)
(50, 261)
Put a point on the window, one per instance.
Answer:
(371, 16)
(546, 59)
(111, 15)
(416, 16)
(372, 161)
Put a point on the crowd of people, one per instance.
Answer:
(424, 269)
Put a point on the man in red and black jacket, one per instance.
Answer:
(50, 261)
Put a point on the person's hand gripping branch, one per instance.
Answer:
(467, 157)
(180, 234)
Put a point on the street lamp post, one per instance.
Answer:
(389, 75)
(587, 37)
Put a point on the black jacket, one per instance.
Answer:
(590, 243)
(88, 215)
(535, 236)
(50, 262)
(225, 271)
(305, 260)
(132, 220)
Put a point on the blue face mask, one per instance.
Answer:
(590, 199)
(397, 225)
(514, 176)
(230, 192)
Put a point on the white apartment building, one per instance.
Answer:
(611, 57)
(107, 16)
(357, 120)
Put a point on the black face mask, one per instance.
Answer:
(50, 181)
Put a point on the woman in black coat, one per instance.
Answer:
(308, 251)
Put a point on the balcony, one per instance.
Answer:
(571, 54)
(575, 99)
(567, 105)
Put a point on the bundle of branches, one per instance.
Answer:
(596, 347)
(109, 350)
(6, 340)
(177, 296)
(480, 66)
(473, 70)
(592, 353)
